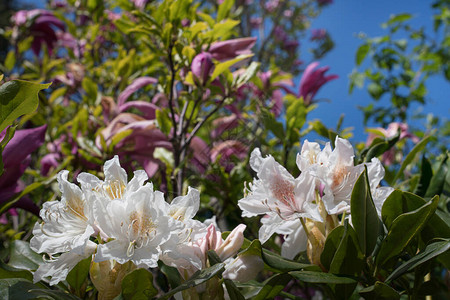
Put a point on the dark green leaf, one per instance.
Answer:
(425, 176)
(331, 245)
(233, 291)
(438, 180)
(172, 274)
(404, 228)
(78, 275)
(22, 257)
(138, 285)
(430, 252)
(198, 278)
(364, 215)
(320, 277)
(283, 265)
(16, 288)
(273, 286)
(17, 98)
(8, 136)
(380, 291)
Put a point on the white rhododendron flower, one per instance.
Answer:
(137, 226)
(305, 209)
(65, 225)
(113, 220)
(278, 192)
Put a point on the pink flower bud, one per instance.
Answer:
(232, 244)
(202, 66)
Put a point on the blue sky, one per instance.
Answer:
(344, 19)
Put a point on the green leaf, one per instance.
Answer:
(437, 182)
(17, 98)
(8, 136)
(16, 288)
(398, 18)
(283, 265)
(320, 277)
(249, 72)
(273, 125)
(273, 286)
(233, 292)
(348, 258)
(22, 257)
(10, 60)
(361, 53)
(172, 274)
(163, 119)
(426, 172)
(430, 252)
(52, 294)
(198, 278)
(331, 245)
(224, 9)
(378, 147)
(380, 291)
(411, 155)
(364, 214)
(404, 228)
(222, 67)
(138, 285)
(10, 272)
(78, 275)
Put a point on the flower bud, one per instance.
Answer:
(232, 244)
(201, 66)
(244, 268)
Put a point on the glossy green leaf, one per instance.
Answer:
(331, 245)
(233, 292)
(22, 257)
(17, 98)
(273, 286)
(172, 274)
(379, 291)
(10, 60)
(138, 285)
(249, 72)
(52, 294)
(16, 288)
(361, 53)
(426, 173)
(430, 252)
(321, 277)
(282, 264)
(78, 275)
(364, 215)
(10, 272)
(437, 182)
(198, 278)
(403, 229)
(348, 258)
(399, 202)
(411, 155)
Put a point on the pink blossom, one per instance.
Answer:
(311, 81)
(318, 34)
(202, 65)
(230, 49)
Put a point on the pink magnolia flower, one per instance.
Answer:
(16, 158)
(226, 50)
(388, 157)
(226, 151)
(202, 65)
(43, 28)
(311, 81)
(318, 34)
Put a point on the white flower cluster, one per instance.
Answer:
(320, 193)
(121, 221)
